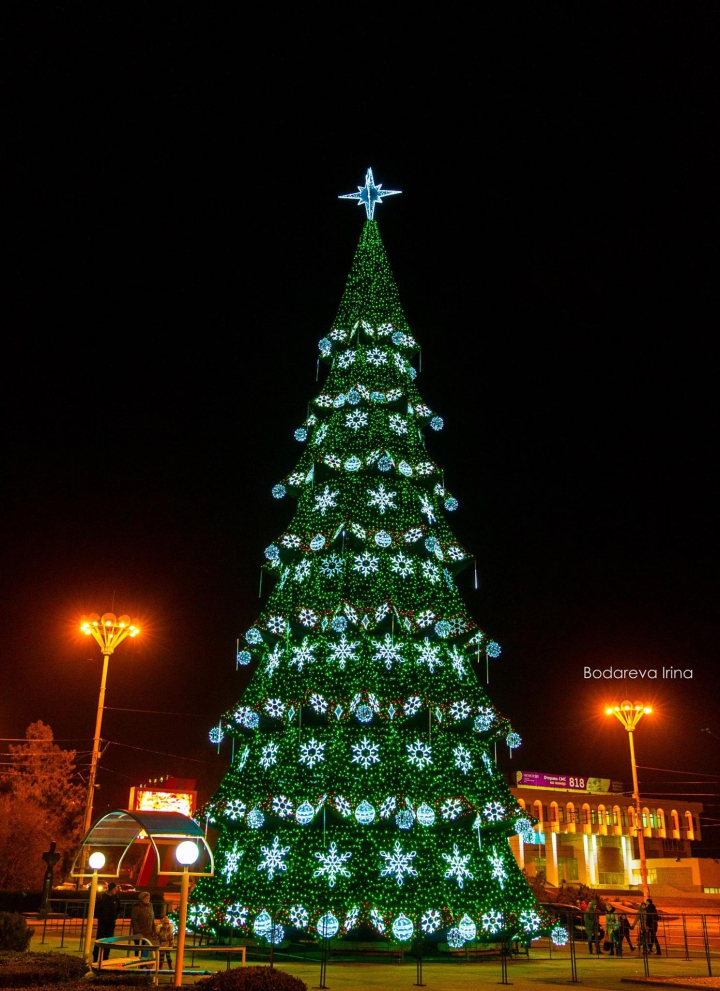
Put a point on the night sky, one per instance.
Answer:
(177, 250)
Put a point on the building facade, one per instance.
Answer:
(593, 838)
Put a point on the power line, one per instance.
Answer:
(671, 770)
(161, 712)
(162, 753)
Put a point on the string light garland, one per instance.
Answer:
(365, 731)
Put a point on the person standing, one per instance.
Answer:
(624, 932)
(165, 934)
(612, 931)
(142, 920)
(641, 924)
(592, 927)
(651, 924)
(107, 908)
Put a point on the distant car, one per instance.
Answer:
(126, 889)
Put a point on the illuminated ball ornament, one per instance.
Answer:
(364, 714)
(425, 815)
(385, 463)
(455, 939)
(383, 539)
(365, 813)
(244, 657)
(405, 819)
(317, 543)
(353, 464)
(339, 624)
(443, 628)
(279, 491)
(354, 397)
(216, 734)
(451, 504)
(253, 636)
(262, 924)
(437, 423)
(327, 925)
(305, 813)
(524, 829)
(255, 819)
(493, 649)
(300, 434)
(513, 740)
(402, 928)
(405, 469)
(467, 928)
(559, 935)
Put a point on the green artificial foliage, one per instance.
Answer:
(364, 789)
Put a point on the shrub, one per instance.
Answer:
(34, 970)
(251, 979)
(15, 933)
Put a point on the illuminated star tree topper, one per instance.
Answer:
(370, 194)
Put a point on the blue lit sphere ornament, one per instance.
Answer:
(272, 553)
(451, 504)
(405, 819)
(364, 714)
(279, 491)
(402, 928)
(325, 346)
(354, 397)
(524, 829)
(365, 813)
(244, 657)
(443, 628)
(255, 819)
(385, 463)
(305, 813)
(513, 740)
(352, 464)
(413, 373)
(454, 939)
(383, 539)
(398, 338)
(216, 734)
(437, 423)
(253, 636)
(339, 624)
(493, 649)
(262, 924)
(339, 400)
(559, 935)
(484, 720)
(425, 815)
(327, 925)
(317, 543)
(431, 543)
(300, 434)
(377, 397)
(404, 469)
(251, 720)
(467, 928)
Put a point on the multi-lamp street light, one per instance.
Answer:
(630, 713)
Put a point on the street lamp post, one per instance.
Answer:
(96, 862)
(187, 854)
(630, 714)
(109, 632)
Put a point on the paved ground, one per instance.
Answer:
(604, 972)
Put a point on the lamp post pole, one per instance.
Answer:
(630, 714)
(187, 854)
(109, 632)
(97, 862)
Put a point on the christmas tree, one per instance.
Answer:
(363, 789)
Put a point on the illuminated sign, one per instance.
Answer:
(567, 782)
(162, 800)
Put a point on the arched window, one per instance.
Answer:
(689, 826)
(645, 817)
(571, 817)
(616, 816)
(661, 821)
(675, 820)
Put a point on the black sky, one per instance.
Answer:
(177, 249)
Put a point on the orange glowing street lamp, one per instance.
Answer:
(630, 714)
(109, 631)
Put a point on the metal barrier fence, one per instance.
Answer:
(68, 918)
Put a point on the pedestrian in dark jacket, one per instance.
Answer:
(624, 931)
(107, 908)
(651, 924)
